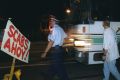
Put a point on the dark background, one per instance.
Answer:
(30, 15)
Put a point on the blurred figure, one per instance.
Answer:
(16, 76)
(6, 77)
(55, 41)
(110, 52)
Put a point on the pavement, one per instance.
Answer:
(33, 70)
(76, 71)
(93, 78)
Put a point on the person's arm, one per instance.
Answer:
(105, 51)
(50, 43)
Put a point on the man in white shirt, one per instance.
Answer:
(55, 42)
(111, 52)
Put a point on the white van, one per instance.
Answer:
(86, 41)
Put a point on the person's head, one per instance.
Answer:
(106, 23)
(52, 21)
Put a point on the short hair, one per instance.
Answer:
(107, 22)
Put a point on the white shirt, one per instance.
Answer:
(110, 43)
(57, 35)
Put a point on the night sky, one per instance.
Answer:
(27, 14)
(29, 11)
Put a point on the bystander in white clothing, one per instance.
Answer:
(110, 51)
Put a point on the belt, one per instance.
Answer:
(56, 47)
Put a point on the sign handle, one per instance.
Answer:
(12, 69)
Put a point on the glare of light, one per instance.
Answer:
(81, 43)
(68, 11)
(71, 39)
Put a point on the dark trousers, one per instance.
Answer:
(57, 66)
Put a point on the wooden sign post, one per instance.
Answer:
(12, 69)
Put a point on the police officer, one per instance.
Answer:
(55, 41)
